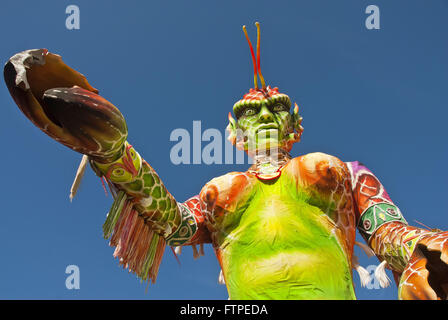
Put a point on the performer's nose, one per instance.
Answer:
(265, 115)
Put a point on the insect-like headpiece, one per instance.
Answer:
(264, 95)
(257, 95)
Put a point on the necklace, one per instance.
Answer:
(269, 164)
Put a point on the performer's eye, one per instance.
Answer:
(249, 112)
(118, 172)
(279, 108)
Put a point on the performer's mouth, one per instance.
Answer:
(267, 127)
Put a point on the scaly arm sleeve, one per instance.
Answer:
(145, 216)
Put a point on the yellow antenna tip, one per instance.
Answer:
(245, 32)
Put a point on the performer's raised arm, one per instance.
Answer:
(144, 216)
(417, 257)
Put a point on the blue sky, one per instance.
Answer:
(377, 96)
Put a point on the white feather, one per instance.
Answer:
(364, 275)
(381, 276)
(221, 278)
(78, 177)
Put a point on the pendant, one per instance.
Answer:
(268, 176)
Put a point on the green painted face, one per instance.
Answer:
(264, 126)
(264, 123)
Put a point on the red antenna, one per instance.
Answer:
(253, 57)
(263, 84)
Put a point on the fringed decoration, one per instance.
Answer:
(175, 255)
(78, 177)
(104, 186)
(138, 247)
(195, 252)
(112, 188)
(114, 214)
(201, 250)
(369, 252)
(364, 275)
(381, 276)
(221, 278)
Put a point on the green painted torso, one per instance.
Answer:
(275, 240)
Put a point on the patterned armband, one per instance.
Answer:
(186, 230)
(377, 215)
(123, 170)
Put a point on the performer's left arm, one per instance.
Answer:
(417, 257)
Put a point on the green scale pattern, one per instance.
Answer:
(151, 198)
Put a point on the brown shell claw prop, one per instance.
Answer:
(426, 275)
(60, 102)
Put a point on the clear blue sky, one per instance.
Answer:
(377, 96)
